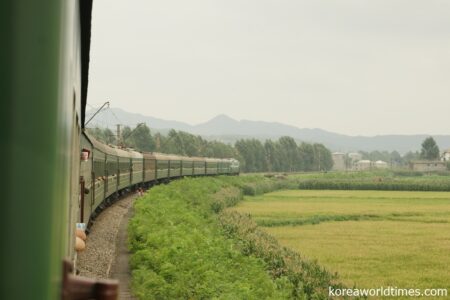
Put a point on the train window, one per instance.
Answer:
(99, 167)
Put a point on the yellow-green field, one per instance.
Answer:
(371, 238)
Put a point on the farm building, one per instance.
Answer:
(428, 165)
(355, 156)
(338, 161)
(446, 155)
(363, 165)
(379, 164)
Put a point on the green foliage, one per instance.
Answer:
(180, 249)
(381, 180)
(306, 279)
(139, 138)
(283, 155)
(430, 150)
(253, 153)
(322, 158)
(410, 156)
(104, 135)
(224, 198)
(179, 252)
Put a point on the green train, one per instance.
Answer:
(107, 172)
(46, 187)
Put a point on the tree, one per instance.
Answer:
(306, 156)
(143, 139)
(409, 156)
(109, 136)
(139, 138)
(396, 158)
(323, 160)
(290, 152)
(430, 151)
(271, 155)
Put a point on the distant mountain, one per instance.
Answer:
(229, 130)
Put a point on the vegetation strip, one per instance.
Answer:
(181, 250)
(375, 180)
(317, 219)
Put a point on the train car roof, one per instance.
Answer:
(164, 156)
(135, 154)
(208, 159)
(99, 145)
(122, 153)
(103, 147)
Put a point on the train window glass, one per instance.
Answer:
(99, 167)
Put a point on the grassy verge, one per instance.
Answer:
(372, 238)
(375, 180)
(180, 248)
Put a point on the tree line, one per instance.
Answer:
(429, 151)
(282, 155)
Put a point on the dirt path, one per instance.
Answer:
(121, 269)
(106, 254)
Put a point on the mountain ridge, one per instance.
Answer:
(225, 128)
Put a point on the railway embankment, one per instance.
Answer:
(106, 255)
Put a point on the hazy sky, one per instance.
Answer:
(348, 66)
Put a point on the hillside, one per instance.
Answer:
(227, 129)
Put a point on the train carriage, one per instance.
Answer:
(162, 166)
(199, 166)
(137, 167)
(99, 171)
(175, 164)
(223, 166)
(187, 166)
(149, 167)
(123, 169)
(211, 166)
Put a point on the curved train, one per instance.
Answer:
(107, 172)
(45, 57)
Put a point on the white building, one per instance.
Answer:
(363, 165)
(379, 164)
(428, 165)
(338, 161)
(355, 156)
(446, 155)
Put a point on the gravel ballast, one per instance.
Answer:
(106, 254)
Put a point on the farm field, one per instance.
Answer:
(371, 238)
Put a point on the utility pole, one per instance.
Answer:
(158, 141)
(319, 160)
(118, 136)
(106, 103)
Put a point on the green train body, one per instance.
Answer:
(46, 187)
(108, 172)
(44, 60)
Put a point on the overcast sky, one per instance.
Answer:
(355, 67)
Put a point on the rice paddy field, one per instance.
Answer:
(371, 238)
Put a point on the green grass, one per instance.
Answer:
(375, 180)
(371, 238)
(185, 246)
(178, 251)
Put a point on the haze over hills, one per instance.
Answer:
(229, 130)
